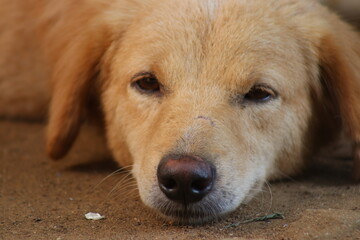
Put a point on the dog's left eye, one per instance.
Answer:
(146, 83)
(260, 94)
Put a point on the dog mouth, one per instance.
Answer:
(187, 181)
(192, 214)
(189, 190)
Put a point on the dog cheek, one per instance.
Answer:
(241, 179)
(245, 162)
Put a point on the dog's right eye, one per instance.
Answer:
(260, 94)
(146, 83)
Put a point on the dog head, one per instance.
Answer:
(208, 100)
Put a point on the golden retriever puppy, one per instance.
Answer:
(205, 99)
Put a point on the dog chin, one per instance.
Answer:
(193, 214)
(207, 210)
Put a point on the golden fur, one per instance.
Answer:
(207, 54)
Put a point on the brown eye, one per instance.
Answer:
(260, 94)
(146, 83)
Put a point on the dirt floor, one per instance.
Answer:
(45, 200)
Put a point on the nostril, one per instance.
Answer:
(169, 184)
(201, 185)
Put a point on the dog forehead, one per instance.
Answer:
(191, 25)
(224, 40)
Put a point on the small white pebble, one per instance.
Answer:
(94, 216)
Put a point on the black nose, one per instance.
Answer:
(185, 179)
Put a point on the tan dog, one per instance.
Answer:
(206, 99)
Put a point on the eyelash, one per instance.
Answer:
(146, 83)
(260, 94)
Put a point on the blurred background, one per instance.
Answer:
(348, 9)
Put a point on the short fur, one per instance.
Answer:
(207, 54)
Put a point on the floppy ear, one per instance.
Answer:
(73, 74)
(340, 62)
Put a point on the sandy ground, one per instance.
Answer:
(45, 200)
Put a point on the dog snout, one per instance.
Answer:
(185, 179)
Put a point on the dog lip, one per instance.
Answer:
(189, 215)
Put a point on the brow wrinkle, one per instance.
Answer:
(208, 119)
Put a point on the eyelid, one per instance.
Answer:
(141, 75)
(266, 88)
(239, 98)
